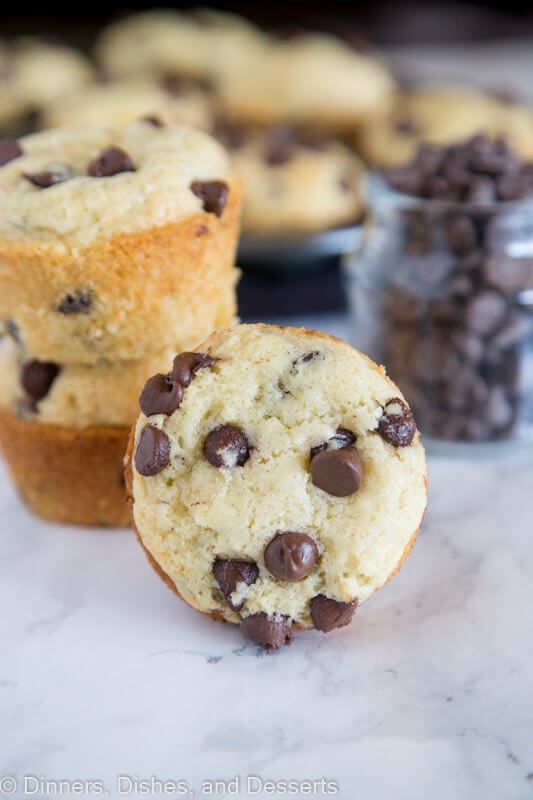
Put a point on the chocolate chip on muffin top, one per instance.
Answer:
(37, 377)
(57, 173)
(213, 194)
(282, 510)
(9, 150)
(162, 394)
(111, 161)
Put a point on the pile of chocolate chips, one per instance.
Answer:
(480, 170)
(458, 322)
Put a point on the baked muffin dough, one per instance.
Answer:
(441, 115)
(297, 185)
(81, 395)
(168, 42)
(124, 101)
(33, 74)
(311, 78)
(150, 245)
(276, 431)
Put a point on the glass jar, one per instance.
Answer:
(442, 295)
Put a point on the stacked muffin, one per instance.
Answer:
(105, 235)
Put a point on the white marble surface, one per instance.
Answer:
(428, 695)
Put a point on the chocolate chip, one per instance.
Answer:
(516, 328)
(154, 121)
(306, 358)
(407, 126)
(461, 233)
(469, 346)
(337, 472)
(486, 312)
(270, 632)
(36, 378)
(153, 451)
(509, 275)
(482, 190)
(227, 446)
(328, 614)
(230, 572)
(213, 194)
(280, 145)
(405, 307)
(479, 170)
(397, 425)
(176, 85)
(46, 179)
(499, 410)
(201, 230)
(314, 140)
(434, 359)
(186, 365)
(466, 391)
(291, 556)
(79, 302)
(111, 161)
(229, 134)
(342, 438)
(161, 395)
(10, 149)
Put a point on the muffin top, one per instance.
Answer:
(165, 41)
(269, 430)
(124, 101)
(34, 72)
(294, 180)
(311, 78)
(73, 186)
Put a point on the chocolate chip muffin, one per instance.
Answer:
(294, 181)
(441, 115)
(105, 234)
(173, 43)
(312, 79)
(277, 479)
(33, 73)
(121, 102)
(108, 233)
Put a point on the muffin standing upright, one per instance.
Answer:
(105, 236)
(277, 479)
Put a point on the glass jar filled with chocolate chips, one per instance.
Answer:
(443, 291)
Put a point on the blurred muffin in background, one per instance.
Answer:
(168, 42)
(310, 78)
(295, 181)
(33, 73)
(441, 114)
(123, 101)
